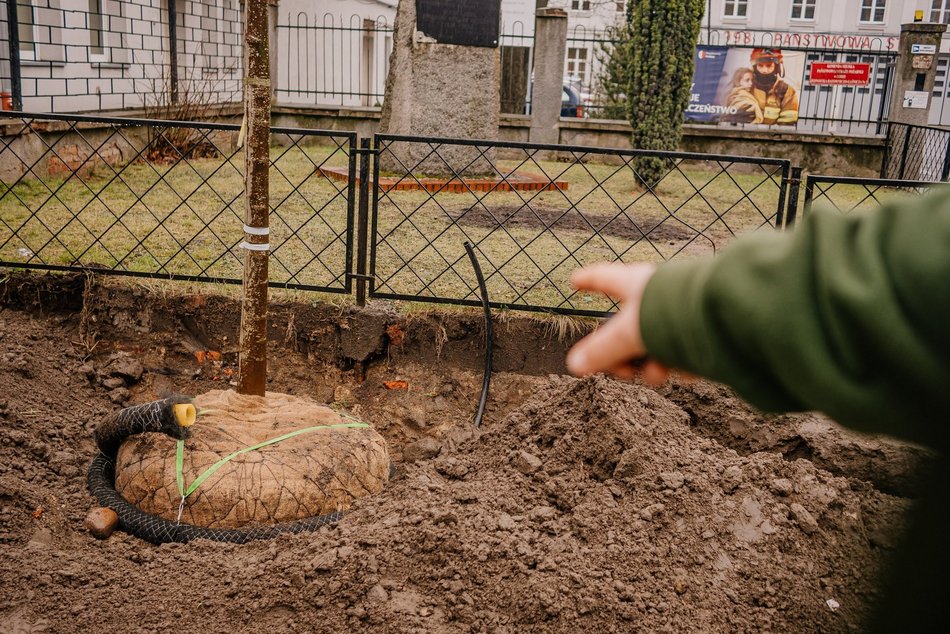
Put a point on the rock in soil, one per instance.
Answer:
(101, 522)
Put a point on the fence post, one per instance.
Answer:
(945, 173)
(794, 184)
(13, 26)
(550, 45)
(886, 157)
(905, 151)
(362, 230)
(173, 50)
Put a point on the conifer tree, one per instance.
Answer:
(662, 43)
(613, 54)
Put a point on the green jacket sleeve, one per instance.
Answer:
(847, 314)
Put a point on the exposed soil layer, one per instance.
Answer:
(580, 505)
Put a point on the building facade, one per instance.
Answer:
(827, 31)
(88, 55)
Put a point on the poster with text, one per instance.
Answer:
(746, 85)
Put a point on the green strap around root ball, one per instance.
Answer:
(180, 455)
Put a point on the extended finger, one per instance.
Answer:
(612, 279)
(655, 373)
(625, 371)
(611, 345)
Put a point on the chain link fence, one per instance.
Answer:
(535, 213)
(916, 153)
(166, 199)
(854, 195)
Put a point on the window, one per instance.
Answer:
(580, 5)
(621, 6)
(803, 9)
(577, 63)
(872, 10)
(735, 8)
(96, 34)
(27, 29)
(940, 12)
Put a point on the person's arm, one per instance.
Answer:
(789, 112)
(849, 315)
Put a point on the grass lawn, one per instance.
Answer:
(186, 220)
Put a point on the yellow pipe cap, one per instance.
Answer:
(185, 414)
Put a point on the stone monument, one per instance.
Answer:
(444, 81)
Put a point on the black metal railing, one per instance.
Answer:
(333, 61)
(166, 199)
(534, 213)
(916, 153)
(847, 194)
(387, 219)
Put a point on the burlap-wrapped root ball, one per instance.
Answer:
(314, 473)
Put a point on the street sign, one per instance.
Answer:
(839, 74)
(923, 49)
(917, 99)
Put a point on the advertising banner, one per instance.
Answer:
(703, 105)
(753, 85)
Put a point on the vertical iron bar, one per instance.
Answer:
(173, 51)
(16, 79)
(375, 217)
(351, 189)
(885, 159)
(945, 173)
(253, 336)
(780, 207)
(885, 96)
(362, 229)
(905, 150)
(794, 185)
(806, 204)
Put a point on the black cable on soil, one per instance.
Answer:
(489, 336)
(157, 530)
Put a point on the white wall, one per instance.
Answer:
(62, 71)
(838, 16)
(333, 52)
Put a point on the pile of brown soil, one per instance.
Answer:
(580, 505)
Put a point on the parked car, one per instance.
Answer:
(571, 103)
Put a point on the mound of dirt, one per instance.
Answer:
(596, 506)
(589, 504)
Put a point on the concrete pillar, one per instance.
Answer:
(550, 45)
(916, 71)
(913, 153)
